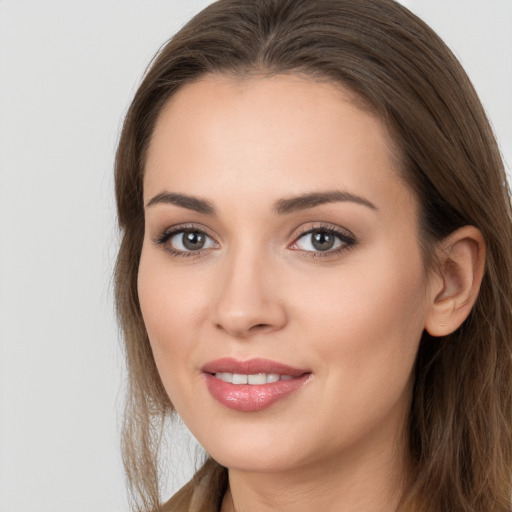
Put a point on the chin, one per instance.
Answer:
(254, 448)
(252, 459)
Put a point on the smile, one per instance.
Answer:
(252, 379)
(254, 385)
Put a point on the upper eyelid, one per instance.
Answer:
(167, 234)
(178, 228)
(345, 236)
(311, 227)
(297, 233)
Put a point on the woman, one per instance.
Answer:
(315, 270)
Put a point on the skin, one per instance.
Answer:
(353, 317)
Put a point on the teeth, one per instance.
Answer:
(258, 378)
(253, 379)
(238, 378)
(226, 377)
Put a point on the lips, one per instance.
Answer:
(252, 385)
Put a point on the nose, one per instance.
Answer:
(248, 297)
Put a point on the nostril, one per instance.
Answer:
(259, 327)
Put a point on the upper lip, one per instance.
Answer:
(251, 367)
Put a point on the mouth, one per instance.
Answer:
(253, 385)
(253, 379)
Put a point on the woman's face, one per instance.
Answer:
(281, 279)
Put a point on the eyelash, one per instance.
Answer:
(347, 239)
(176, 230)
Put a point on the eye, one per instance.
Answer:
(186, 241)
(191, 241)
(323, 240)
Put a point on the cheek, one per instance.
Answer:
(159, 304)
(163, 300)
(366, 324)
(174, 304)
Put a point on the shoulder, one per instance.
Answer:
(204, 492)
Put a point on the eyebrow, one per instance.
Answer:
(303, 202)
(189, 202)
(280, 207)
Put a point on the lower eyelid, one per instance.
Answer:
(345, 241)
(345, 238)
(209, 240)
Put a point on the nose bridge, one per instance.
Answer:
(248, 299)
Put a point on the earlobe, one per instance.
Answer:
(456, 283)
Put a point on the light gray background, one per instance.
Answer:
(67, 73)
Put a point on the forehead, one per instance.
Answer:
(268, 135)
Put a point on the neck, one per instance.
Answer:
(373, 481)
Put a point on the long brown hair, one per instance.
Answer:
(460, 437)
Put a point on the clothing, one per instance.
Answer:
(203, 493)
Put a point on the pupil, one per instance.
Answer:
(322, 241)
(193, 240)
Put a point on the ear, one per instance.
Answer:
(455, 284)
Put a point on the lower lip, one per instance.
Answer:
(252, 398)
